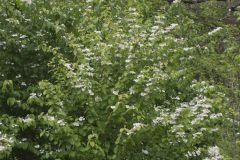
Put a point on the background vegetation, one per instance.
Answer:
(119, 80)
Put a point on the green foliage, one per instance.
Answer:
(115, 80)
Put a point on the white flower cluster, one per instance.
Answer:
(215, 30)
(150, 80)
(144, 151)
(50, 118)
(5, 142)
(216, 116)
(196, 111)
(194, 153)
(136, 127)
(163, 120)
(202, 87)
(176, 1)
(32, 95)
(179, 131)
(214, 154)
(159, 19)
(27, 119)
(78, 122)
(171, 27)
(61, 122)
(199, 107)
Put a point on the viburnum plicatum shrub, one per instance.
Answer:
(120, 84)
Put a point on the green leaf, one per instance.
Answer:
(11, 101)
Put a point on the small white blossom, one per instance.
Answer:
(115, 92)
(81, 119)
(130, 107)
(23, 84)
(131, 90)
(112, 107)
(61, 122)
(50, 118)
(215, 116)
(143, 94)
(2, 148)
(144, 151)
(77, 124)
(18, 76)
(37, 146)
(98, 99)
(27, 120)
(136, 127)
(187, 48)
(176, 1)
(214, 31)
(32, 95)
(90, 92)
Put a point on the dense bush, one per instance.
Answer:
(114, 80)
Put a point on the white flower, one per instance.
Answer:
(196, 135)
(2, 148)
(27, 120)
(98, 99)
(213, 153)
(132, 9)
(203, 129)
(193, 153)
(198, 152)
(214, 130)
(162, 44)
(131, 90)
(137, 125)
(143, 94)
(81, 119)
(23, 36)
(98, 32)
(5, 142)
(37, 146)
(215, 116)
(187, 48)
(115, 92)
(77, 124)
(90, 92)
(154, 29)
(215, 30)
(68, 66)
(50, 118)
(18, 76)
(171, 27)
(176, 1)
(144, 151)
(23, 84)
(32, 95)
(112, 107)
(27, 1)
(130, 107)
(61, 122)
(128, 60)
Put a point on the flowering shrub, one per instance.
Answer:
(107, 80)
